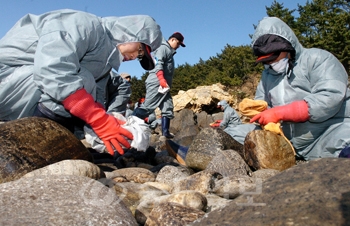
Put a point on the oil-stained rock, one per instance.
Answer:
(267, 150)
(31, 143)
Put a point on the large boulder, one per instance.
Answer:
(268, 150)
(31, 143)
(314, 193)
(202, 98)
(61, 200)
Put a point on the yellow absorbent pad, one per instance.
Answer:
(250, 108)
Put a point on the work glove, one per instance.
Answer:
(82, 105)
(162, 81)
(214, 124)
(296, 111)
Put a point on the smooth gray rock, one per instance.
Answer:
(204, 119)
(229, 163)
(136, 174)
(172, 174)
(61, 200)
(203, 182)
(182, 119)
(207, 144)
(69, 167)
(233, 186)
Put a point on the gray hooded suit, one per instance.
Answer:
(318, 78)
(45, 58)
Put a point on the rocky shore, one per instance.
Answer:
(47, 176)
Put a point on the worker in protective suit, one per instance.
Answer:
(305, 89)
(230, 119)
(159, 82)
(57, 65)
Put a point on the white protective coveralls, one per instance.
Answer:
(318, 78)
(45, 58)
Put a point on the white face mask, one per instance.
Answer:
(280, 66)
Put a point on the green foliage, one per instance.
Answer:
(138, 88)
(323, 24)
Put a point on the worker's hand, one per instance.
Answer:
(107, 128)
(295, 112)
(214, 124)
(219, 121)
(162, 81)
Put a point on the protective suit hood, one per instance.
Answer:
(137, 28)
(223, 103)
(275, 26)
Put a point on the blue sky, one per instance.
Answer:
(207, 25)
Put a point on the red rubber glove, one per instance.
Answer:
(219, 121)
(162, 81)
(107, 128)
(297, 111)
(215, 124)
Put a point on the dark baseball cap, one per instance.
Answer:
(179, 37)
(147, 61)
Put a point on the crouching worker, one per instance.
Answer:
(57, 65)
(306, 90)
(230, 119)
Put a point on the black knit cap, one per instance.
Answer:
(268, 47)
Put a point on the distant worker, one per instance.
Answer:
(230, 119)
(159, 82)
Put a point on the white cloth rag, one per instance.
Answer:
(163, 90)
(139, 129)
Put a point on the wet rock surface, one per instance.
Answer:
(31, 143)
(267, 150)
